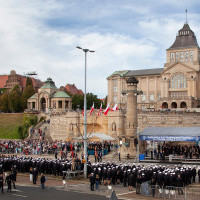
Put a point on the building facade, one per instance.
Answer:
(9, 81)
(175, 86)
(50, 98)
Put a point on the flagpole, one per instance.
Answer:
(93, 120)
(101, 119)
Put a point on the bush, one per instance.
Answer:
(42, 119)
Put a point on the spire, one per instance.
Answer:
(186, 15)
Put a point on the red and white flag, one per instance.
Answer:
(92, 109)
(107, 109)
(83, 112)
(114, 108)
(99, 113)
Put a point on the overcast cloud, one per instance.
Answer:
(41, 35)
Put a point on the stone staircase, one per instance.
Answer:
(44, 127)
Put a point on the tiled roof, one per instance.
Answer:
(35, 96)
(72, 89)
(185, 38)
(143, 72)
(3, 79)
(60, 94)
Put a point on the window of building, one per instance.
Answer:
(171, 57)
(114, 126)
(143, 97)
(177, 56)
(178, 80)
(59, 104)
(186, 56)
(178, 94)
(143, 107)
(115, 86)
(191, 55)
(158, 96)
(151, 97)
(33, 105)
(182, 56)
(115, 89)
(115, 99)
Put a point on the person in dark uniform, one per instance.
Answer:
(194, 173)
(1, 183)
(13, 176)
(42, 180)
(129, 176)
(153, 184)
(179, 184)
(138, 183)
(35, 175)
(109, 176)
(8, 181)
(92, 181)
(124, 178)
(199, 174)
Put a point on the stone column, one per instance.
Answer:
(131, 119)
(63, 104)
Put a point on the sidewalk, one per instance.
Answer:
(51, 181)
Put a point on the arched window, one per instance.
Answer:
(113, 126)
(178, 80)
(164, 105)
(183, 104)
(71, 127)
(174, 105)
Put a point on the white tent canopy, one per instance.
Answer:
(101, 136)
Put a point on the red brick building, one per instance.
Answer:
(9, 81)
(72, 89)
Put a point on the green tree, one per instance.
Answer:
(14, 99)
(4, 102)
(105, 102)
(79, 100)
(91, 98)
(29, 82)
(27, 93)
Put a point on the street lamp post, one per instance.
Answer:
(138, 145)
(85, 112)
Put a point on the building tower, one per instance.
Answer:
(131, 119)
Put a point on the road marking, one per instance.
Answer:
(75, 185)
(19, 195)
(16, 190)
(125, 193)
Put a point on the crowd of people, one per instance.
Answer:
(132, 175)
(37, 146)
(100, 146)
(185, 151)
(108, 173)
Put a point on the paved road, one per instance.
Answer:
(35, 193)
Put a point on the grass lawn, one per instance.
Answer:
(9, 123)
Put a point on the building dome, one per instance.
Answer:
(132, 80)
(185, 38)
(49, 84)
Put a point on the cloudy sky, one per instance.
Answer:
(41, 35)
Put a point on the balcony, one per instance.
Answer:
(177, 98)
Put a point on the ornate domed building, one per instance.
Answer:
(49, 97)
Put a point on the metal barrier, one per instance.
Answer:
(193, 194)
(178, 193)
